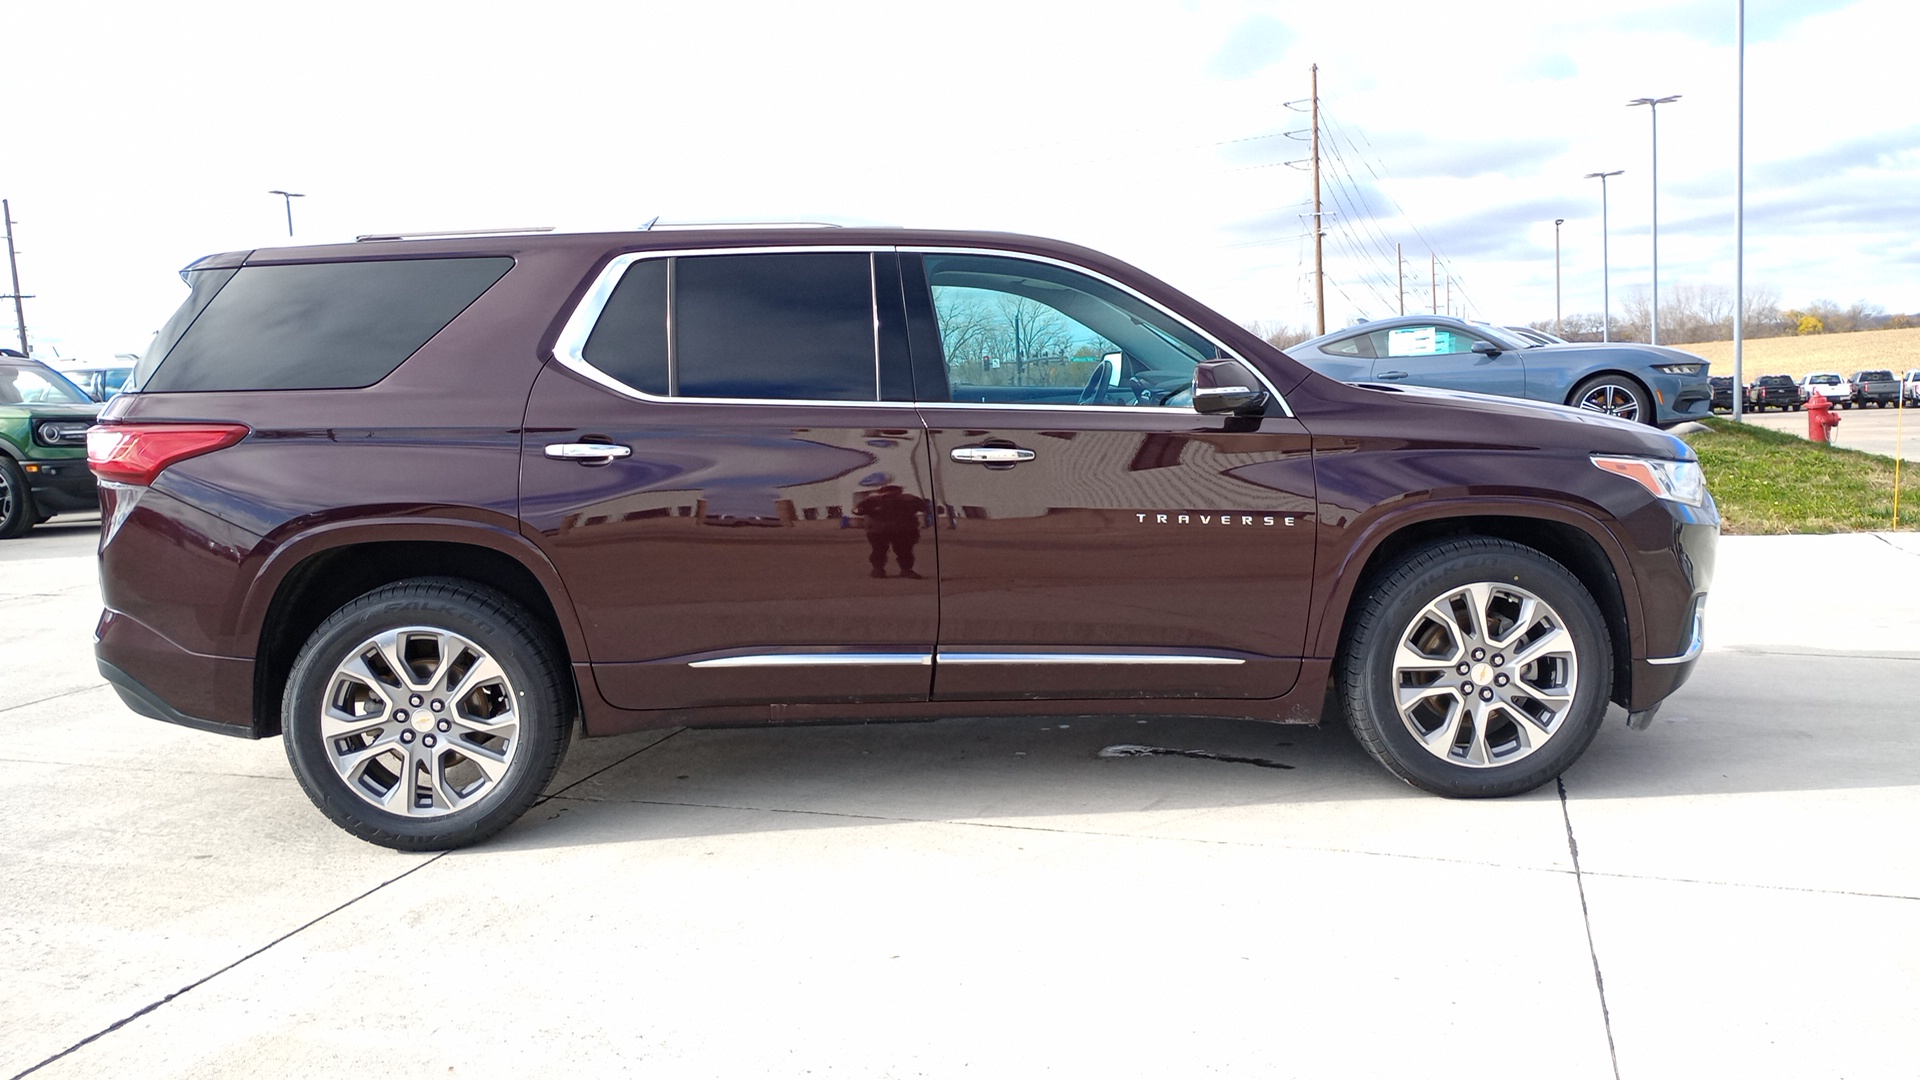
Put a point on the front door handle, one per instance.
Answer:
(991, 455)
(1391, 375)
(588, 453)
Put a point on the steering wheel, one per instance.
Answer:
(1095, 392)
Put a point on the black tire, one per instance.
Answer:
(501, 630)
(17, 510)
(1387, 609)
(1614, 395)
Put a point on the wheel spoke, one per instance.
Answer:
(1441, 739)
(1549, 643)
(1479, 596)
(1414, 695)
(483, 671)
(1407, 658)
(1477, 752)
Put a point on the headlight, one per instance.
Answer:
(63, 432)
(1680, 369)
(1678, 481)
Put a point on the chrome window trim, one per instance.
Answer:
(1218, 345)
(569, 346)
(775, 660)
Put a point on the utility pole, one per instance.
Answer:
(13, 265)
(1606, 300)
(1653, 111)
(1557, 222)
(1449, 294)
(1433, 280)
(1401, 260)
(1319, 265)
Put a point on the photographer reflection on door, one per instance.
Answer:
(893, 522)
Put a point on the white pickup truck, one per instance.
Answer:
(1829, 384)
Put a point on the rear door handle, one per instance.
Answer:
(991, 455)
(588, 453)
(1391, 375)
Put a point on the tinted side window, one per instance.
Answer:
(795, 326)
(320, 325)
(629, 341)
(1353, 346)
(204, 286)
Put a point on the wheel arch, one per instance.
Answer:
(305, 583)
(1581, 545)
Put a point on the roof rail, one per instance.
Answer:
(451, 232)
(656, 223)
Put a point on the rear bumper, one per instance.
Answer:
(159, 679)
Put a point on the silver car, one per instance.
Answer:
(1649, 383)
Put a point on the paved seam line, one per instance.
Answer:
(960, 823)
(604, 768)
(1599, 983)
(52, 697)
(1751, 885)
(131, 1017)
(142, 769)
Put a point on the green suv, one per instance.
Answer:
(43, 446)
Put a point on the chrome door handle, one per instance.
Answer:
(990, 455)
(588, 453)
(1391, 375)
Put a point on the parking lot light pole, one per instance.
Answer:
(1606, 299)
(1653, 111)
(1557, 222)
(289, 196)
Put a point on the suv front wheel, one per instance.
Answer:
(426, 714)
(1476, 668)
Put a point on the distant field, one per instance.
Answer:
(1898, 350)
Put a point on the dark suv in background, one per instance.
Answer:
(418, 504)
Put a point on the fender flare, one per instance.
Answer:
(1382, 527)
(503, 538)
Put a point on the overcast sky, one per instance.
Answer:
(140, 136)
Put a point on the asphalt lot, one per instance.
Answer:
(992, 898)
(1888, 432)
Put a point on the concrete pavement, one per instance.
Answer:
(1735, 891)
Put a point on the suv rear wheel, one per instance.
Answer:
(426, 714)
(1476, 668)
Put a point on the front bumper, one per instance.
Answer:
(1675, 619)
(63, 486)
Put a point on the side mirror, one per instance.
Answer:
(1486, 348)
(1227, 387)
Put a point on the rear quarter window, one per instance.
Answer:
(314, 326)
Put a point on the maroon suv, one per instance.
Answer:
(419, 503)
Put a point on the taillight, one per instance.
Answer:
(136, 453)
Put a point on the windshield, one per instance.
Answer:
(29, 383)
(1506, 339)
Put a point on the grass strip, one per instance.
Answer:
(1769, 482)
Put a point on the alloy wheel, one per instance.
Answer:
(420, 722)
(1612, 399)
(1485, 674)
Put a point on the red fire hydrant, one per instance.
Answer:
(1821, 419)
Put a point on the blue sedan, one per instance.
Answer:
(1648, 383)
